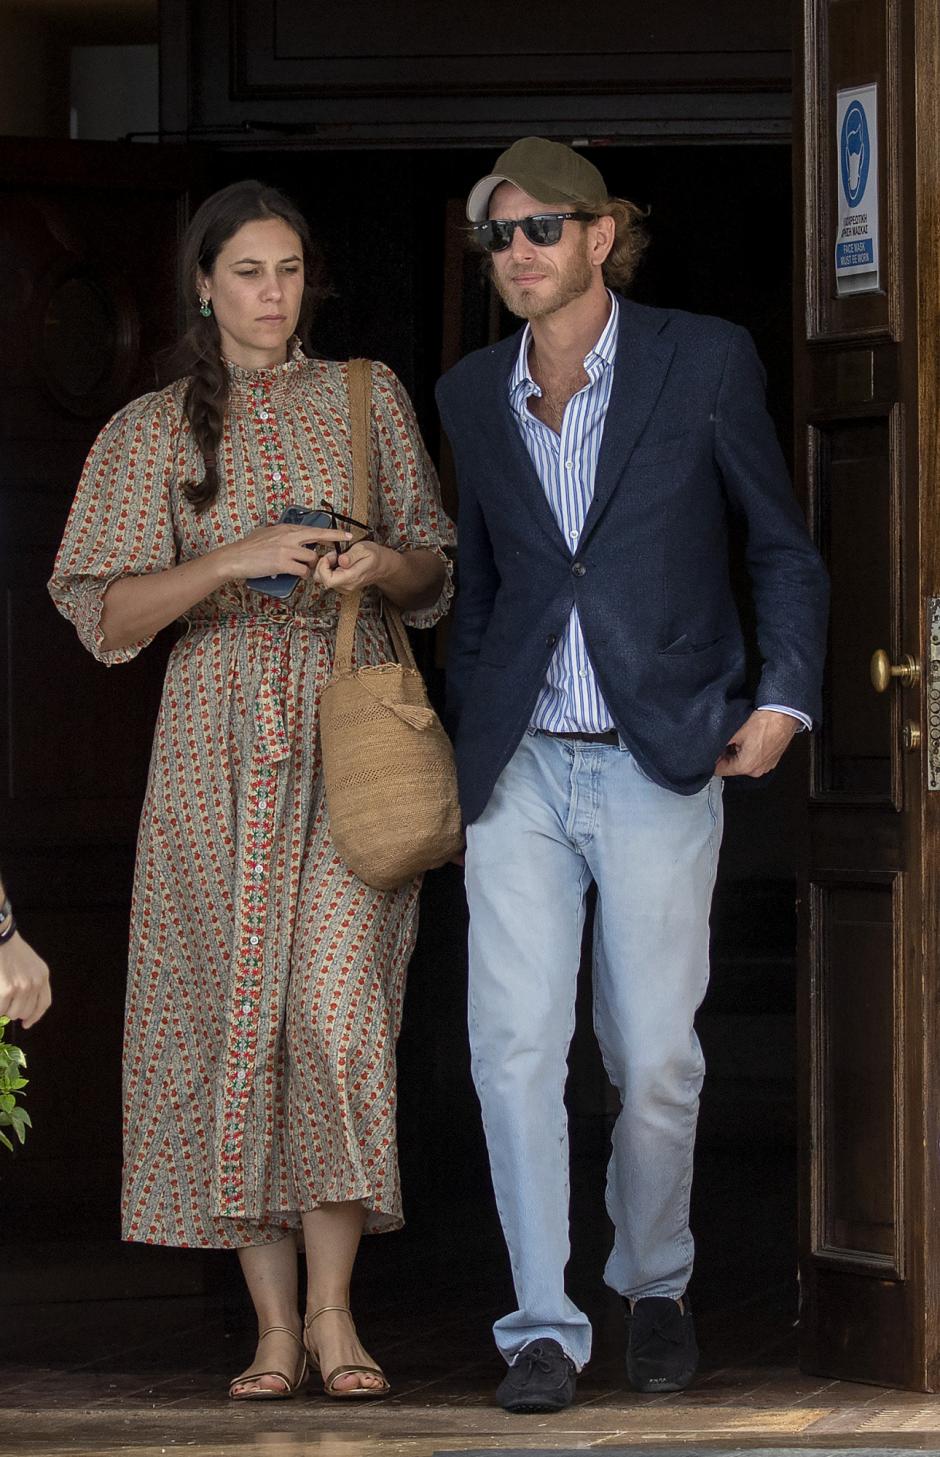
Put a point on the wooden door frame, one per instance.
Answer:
(927, 241)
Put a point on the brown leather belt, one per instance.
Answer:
(610, 736)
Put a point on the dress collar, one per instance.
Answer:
(273, 379)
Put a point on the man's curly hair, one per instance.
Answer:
(630, 241)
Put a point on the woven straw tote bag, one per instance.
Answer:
(388, 765)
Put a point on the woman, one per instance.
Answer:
(266, 980)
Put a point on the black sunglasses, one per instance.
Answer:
(337, 519)
(544, 229)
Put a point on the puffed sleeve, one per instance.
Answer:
(121, 523)
(411, 514)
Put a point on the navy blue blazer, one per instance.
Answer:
(687, 439)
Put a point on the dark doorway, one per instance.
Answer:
(720, 224)
(388, 222)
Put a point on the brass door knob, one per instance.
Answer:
(907, 671)
(910, 736)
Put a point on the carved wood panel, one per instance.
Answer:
(247, 71)
(858, 1053)
(491, 49)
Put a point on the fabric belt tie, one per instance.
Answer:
(274, 706)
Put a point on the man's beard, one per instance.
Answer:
(528, 304)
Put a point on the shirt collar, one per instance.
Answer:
(599, 357)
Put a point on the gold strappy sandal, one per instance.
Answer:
(265, 1393)
(354, 1393)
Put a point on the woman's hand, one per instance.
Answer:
(24, 982)
(135, 608)
(412, 578)
(270, 550)
(365, 564)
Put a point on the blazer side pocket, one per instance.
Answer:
(683, 647)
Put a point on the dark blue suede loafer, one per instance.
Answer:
(541, 1378)
(662, 1352)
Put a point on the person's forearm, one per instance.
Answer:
(414, 579)
(138, 607)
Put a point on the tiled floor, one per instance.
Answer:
(148, 1377)
(146, 1371)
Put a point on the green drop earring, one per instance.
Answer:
(205, 307)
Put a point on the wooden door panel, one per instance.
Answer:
(843, 1304)
(866, 401)
(240, 71)
(852, 487)
(850, 43)
(858, 1050)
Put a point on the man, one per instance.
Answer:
(597, 684)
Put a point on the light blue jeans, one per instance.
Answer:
(564, 813)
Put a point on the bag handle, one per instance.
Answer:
(359, 387)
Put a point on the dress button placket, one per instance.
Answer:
(272, 455)
(247, 990)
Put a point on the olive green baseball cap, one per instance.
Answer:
(548, 171)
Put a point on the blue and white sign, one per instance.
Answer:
(857, 269)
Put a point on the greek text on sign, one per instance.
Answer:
(856, 258)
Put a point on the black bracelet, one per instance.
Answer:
(9, 933)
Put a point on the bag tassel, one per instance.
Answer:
(417, 718)
(414, 714)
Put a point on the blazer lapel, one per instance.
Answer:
(640, 368)
(509, 449)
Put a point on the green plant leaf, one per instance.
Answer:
(12, 1115)
(20, 1122)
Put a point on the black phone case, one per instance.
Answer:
(282, 584)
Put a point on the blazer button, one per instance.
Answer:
(578, 569)
(551, 640)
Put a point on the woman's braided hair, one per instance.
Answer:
(199, 352)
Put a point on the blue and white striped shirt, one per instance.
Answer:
(571, 700)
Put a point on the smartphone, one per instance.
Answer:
(283, 583)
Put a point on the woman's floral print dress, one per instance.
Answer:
(266, 980)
